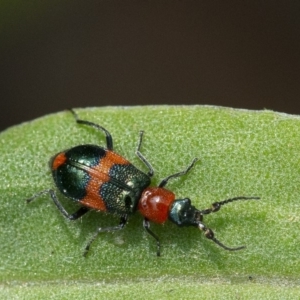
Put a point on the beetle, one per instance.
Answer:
(100, 179)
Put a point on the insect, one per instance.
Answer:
(100, 179)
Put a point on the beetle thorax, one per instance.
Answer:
(155, 204)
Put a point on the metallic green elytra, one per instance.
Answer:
(99, 179)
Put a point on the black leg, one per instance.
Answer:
(146, 225)
(80, 212)
(165, 181)
(109, 140)
(121, 225)
(141, 156)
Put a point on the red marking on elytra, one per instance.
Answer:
(59, 160)
(99, 175)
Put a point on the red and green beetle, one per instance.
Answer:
(100, 179)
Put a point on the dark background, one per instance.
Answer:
(61, 54)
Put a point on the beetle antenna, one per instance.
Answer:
(217, 205)
(210, 235)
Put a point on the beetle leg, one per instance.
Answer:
(109, 140)
(80, 212)
(142, 157)
(121, 225)
(165, 181)
(146, 225)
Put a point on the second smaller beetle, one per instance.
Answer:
(100, 179)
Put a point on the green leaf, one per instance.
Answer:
(242, 153)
